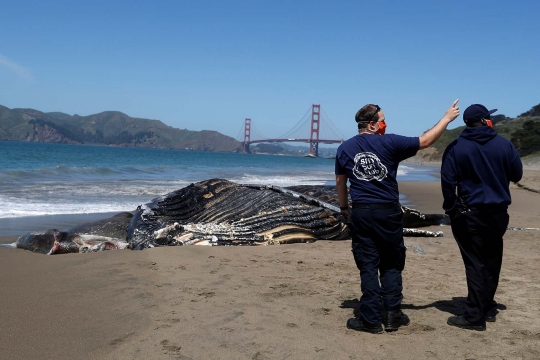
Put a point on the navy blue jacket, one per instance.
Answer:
(481, 165)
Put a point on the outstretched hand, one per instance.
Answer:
(452, 112)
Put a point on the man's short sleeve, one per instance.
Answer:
(405, 146)
(340, 170)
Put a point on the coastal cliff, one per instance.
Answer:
(106, 128)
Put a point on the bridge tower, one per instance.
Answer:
(315, 127)
(247, 134)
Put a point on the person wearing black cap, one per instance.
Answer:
(369, 161)
(476, 172)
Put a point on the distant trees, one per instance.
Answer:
(267, 148)
(498, 118)
(535, 111)
(527, 139)
(126, 137)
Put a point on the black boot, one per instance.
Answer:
(393, 319)
(491, 315)
(460, 322)
(358, 325)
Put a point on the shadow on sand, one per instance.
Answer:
(454, 306)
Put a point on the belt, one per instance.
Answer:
(375, 206)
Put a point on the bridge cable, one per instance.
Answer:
(340, 136)
(257, 134)
(296, 127)
(239, 137)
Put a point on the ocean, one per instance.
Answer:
(45, 186)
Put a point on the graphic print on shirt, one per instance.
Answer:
(367, 166)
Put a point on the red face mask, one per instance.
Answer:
(382, 128)
(489, 123)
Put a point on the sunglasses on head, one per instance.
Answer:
(375, 113)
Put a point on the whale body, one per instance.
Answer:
(218, 212)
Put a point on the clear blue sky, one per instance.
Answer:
(210, 64)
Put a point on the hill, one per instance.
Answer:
(106, 128)
(523, 131)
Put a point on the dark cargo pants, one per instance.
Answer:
(479, 235)
(378, 248)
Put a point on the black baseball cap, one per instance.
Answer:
(476, 112)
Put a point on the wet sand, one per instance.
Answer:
(265, 302)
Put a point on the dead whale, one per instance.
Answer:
(215, 212)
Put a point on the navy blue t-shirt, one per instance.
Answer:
(370, 162)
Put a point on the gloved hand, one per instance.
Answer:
(345, 216)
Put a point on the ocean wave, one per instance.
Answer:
(313, 178)
(23, 209)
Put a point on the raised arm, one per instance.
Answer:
(433, 134)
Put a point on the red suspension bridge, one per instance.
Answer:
(314, 134)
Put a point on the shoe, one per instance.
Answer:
(358, 325)
(460, 322)
(491, 316)
(393, 319)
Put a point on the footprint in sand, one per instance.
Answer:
(171, 349)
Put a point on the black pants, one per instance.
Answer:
(479, 234)
(378, 248)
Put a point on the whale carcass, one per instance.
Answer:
(217, 212)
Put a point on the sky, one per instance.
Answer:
(209, 64)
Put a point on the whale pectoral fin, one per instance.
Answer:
(287, 234)
(12, 245)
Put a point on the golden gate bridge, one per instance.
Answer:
(314, 135)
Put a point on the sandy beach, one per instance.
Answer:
(265, 302)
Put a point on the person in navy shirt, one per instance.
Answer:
(369, 161)
(476, 172)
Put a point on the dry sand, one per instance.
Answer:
(266, 302)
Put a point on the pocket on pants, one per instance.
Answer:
(395, 218)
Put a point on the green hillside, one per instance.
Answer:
(106, 128)
(523, 131)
